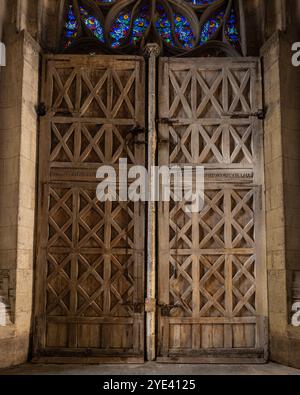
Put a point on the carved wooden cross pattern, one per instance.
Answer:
(91, 254)
(213, 305)
(90, 280)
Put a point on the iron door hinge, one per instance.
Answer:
(162, 140)
(259, 114)
(165, 309)
(167, 121)
(41, 109)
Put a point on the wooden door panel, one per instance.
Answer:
(211, 268)
(90, 268)
(209, 140)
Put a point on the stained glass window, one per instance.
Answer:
(71, 28)
(141, 24)
(211, 27)
(120, 29)
(92, 24)
(163, 26)
(179, 26)
(231, 30)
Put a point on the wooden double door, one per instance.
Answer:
(210, 271)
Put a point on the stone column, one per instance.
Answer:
(19, 87)
(282, 168)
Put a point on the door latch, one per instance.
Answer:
(165, 309)
(260, 114)
(133, 136)
(162, 140)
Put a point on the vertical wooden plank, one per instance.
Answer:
(207, 336)
(218, 336)
(175, 332)
(139, 213)
(163, 212)
(107, 259)
(186, 337)
(73, 328)
(225, 92)
(196, 337)
(195, 149)
(40, 323)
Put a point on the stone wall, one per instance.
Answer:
(290, 102)
(18, 142)
(282, 169)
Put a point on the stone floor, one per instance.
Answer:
(151, 369)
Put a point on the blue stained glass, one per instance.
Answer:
(231, 31)
(182, 29)
(120, 29)
(140, 25)
(163, 26)
(210, 27)
(92, 24)
(71, 27)
(125, 26)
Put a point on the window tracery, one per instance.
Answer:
(192, 27)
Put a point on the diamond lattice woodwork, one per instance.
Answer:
(211, 264)
(90, 268)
